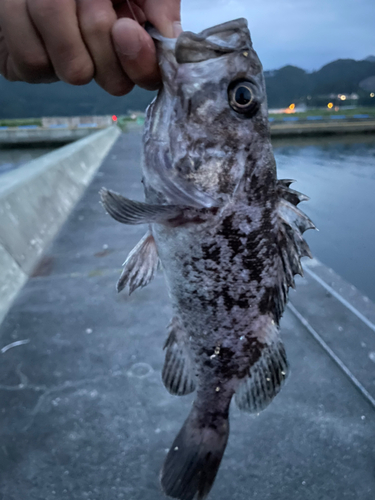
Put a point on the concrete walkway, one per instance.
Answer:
(84, 414)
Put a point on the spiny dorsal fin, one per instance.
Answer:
(140, 265)
(294, 217)
(292, 247)
(136, 212)
(178, 371)
(293, 222)
(288, 194)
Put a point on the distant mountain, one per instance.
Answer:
(23, 100)
(284, 86)
(368, 84)
(344, 76)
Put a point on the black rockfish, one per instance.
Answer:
(228, 235)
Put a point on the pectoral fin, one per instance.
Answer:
(135, 212)
(140, 265)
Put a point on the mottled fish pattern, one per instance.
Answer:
(228, 235)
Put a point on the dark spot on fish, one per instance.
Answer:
(227, 298)
(266, 302)
(211, 252)
(243, 301)
(232, 236)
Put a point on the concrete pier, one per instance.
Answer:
(35, 200)
(83, 411)
(306, 128)
(38, 136)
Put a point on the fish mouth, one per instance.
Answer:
(232, 36)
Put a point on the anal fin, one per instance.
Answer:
(140, 265)
(178, 372)
(264, 380)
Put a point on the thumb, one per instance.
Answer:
(165, 15)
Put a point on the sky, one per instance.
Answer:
(304, 33)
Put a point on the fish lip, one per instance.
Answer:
(238, 24)
(232, 36)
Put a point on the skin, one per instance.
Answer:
(75, 41)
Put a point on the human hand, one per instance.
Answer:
(43, 41)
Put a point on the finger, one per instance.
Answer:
(130, 9)
(23, 56)
(7, 69)
(165, 15)
(57, 23)
(96, 18)
(137, 53)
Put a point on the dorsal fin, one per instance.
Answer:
(292, 224)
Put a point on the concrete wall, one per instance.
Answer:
(36, 199)
(322, 128)
(14, 136)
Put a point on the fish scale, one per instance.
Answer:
(228, 234)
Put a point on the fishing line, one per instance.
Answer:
(132, 11)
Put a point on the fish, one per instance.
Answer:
(228, 235)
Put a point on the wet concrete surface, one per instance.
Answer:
(83, 411)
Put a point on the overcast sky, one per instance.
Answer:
(305, 33)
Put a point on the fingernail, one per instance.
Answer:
(177, 29)
(129, 47)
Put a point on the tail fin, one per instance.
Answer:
(192, 463)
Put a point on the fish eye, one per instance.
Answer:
(242, 97)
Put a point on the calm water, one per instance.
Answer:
(13, 158)
(339, 177)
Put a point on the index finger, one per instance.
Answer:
(57, 23)
(136, 52)
(165, 15)
(23, 56)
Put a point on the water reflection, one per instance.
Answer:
(338, 173)
(339, 176)
(13, 158)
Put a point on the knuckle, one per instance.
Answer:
(44, 7)
(78, 74)
(115, 85)
(32, 67)
(119, 89)
(99, 23)
(34, 62)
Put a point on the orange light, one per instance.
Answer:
(330, 105)
(292, 106)
(114, 118)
